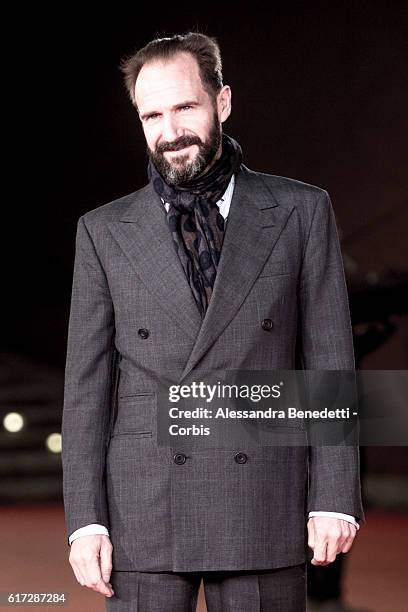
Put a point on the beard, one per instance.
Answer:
(181, 169)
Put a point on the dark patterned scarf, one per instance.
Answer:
(195, 221)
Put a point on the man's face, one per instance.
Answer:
(181, 121)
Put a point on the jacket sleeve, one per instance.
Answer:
(326, 343)
(87, 388)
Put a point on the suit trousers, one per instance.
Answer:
(280, 590)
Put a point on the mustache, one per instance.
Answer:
(180, 143)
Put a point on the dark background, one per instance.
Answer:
(319, 94)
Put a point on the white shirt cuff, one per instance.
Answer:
(93, 529)
(339, 515)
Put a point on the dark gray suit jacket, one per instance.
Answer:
(280, 260)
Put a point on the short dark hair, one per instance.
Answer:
(203, 48)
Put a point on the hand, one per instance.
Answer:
(91, 560)
(329, 536)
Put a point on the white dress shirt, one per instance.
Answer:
(95, 529)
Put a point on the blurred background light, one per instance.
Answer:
(13, 422)
(54, 443)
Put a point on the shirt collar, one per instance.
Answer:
(223, 203)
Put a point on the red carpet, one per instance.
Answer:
(34, 558)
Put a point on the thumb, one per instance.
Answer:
(106, 562)
(311, 534)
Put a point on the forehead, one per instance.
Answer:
(167, 82)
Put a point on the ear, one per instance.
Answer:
(224, 103)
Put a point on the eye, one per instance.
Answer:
(186, 107)
(152, 116)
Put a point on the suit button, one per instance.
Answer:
(241, 458)
(267, 324)
(179, 458)
(143, 333)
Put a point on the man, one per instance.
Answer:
(209, 267)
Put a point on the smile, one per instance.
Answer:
(179, 151)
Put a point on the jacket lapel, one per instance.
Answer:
(143, 235)
(255, 222)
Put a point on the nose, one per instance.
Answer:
(171, 130)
